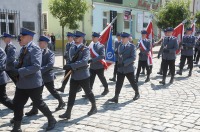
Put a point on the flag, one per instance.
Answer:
(150, 36)
(193, 28)
(105, 39)
(179, 32)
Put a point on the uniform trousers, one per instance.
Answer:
(143, 64)
(22, 96)
(85, 84)
(171, 65)
(100, 74)
(120, 81)
(4, 98)
(189, 60)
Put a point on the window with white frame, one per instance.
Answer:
(105, 19)
(44, 21)
(8, 22)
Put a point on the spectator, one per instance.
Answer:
(53, 41)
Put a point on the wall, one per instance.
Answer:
(28, 12)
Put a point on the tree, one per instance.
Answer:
(173, 13)
(197, 16)
(69, 12)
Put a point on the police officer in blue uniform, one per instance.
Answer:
(3, 81)
(78, 64)
(126, 58)
(143, 57)
(29, 81)
(48, 59)
(116, 45)
(70, 37)
(187, 51)
(96, 67)
(170, 45)
(10, 50)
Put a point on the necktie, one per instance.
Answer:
(6, 48)
(75, 48)
(44, 51)
(168, 39)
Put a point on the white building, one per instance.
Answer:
(15, 14)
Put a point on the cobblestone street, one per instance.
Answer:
(170, 108)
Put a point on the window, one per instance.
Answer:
(44, 20)
(105, 20)
(8, 22)
(115, 1)
(126, 24)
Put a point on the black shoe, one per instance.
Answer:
(163, 81)
(51, 123)
(12, 121)
(160, 73)
(147, 80)
(195, 62)
(113, 79)
(106, 91)
(60, 106)
(17, 127)
(31, 112)
(84, 96)
(190, 74)
(179, 72)
(60, 89)
(136, 97)
(188, 67)
(92, 111)
(114, 99)
(171, 80)
(67, 113)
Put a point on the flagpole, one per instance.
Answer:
(108, 25)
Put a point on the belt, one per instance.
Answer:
(81, 68)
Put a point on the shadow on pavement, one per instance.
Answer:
(159, 87)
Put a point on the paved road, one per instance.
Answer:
(170, 108)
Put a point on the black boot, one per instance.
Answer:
(148, 79)
(171, 80)
(137, 96)
(113, 79)
(61, 89)
(163, 81)
(33, 111)
(114, 99)
(179, 72)
(67, 113)
(93, 109)
(106, 91)
(61, 105)
(17, 127)
(12, 120)
(190, 73)
(159, 72)
(196, 62)
(51, 123)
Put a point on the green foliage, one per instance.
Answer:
(197, 16)
(69, 12)
(173, 13)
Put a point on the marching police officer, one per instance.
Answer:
(187, 52)
(170, 45)
(70, 37)
(126, 58)
(48, 59)
(197, 47)
(29, 81)
(78, 65)
(3, 81)
(160, 51)
(97, 66)
(10, 50)
(143, 56)
(116, 45)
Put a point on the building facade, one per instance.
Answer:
(51, 25)
(105, 10)
(21, 13)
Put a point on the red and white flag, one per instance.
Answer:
(149, 54)
(179, 32)
(150, 36)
